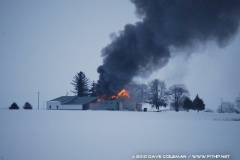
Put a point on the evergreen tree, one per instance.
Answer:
(81, 85)
(198, 104)
(92, 90)
(27, 106)
(14, 106)
(188, 104)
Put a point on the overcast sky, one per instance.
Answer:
(43, 44)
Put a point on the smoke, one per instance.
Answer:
(140, 49)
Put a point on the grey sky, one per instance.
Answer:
(43, 44)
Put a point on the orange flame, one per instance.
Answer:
(112, 97)
(100, 99)
(123, 93)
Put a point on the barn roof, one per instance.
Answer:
(63, 98)
(72, 100)
(81, 100)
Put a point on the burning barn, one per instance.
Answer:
(121, 101)
(117, 104)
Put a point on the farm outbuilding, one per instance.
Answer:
(92, 103)
(72, 103)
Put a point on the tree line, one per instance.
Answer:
(158, 95)
(82, 88)
(229, 107)
(154, 93)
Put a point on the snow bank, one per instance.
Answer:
(114, 135)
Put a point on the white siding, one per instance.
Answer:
(93, 106)
(79, 107)
(57, 105)
(53, 105)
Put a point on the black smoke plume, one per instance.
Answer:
(144, 47)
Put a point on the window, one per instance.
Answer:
(57, 107)
(50, 107)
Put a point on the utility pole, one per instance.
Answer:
(38, 99)
(221, 105)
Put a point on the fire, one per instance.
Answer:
(123, 93)
(113, 97)
(100, 99)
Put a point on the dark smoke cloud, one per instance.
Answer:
(144, 47)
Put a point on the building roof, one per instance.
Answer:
(74, 100)
(81, 100)
(63, 98)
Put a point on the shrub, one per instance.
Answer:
(208, 110)
(226, 119)
(14, 106)
(27, 106)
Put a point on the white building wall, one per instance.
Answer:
(77, 107)
(93, 106)
(54, 105)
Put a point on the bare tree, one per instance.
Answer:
(177, 94)
(237, 103)
(132, 89)
(227, 107)
(138, 92)
(142, 93)
(158, 93)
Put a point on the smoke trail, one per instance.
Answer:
(144, 47)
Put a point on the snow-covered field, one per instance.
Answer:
(115, 135)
